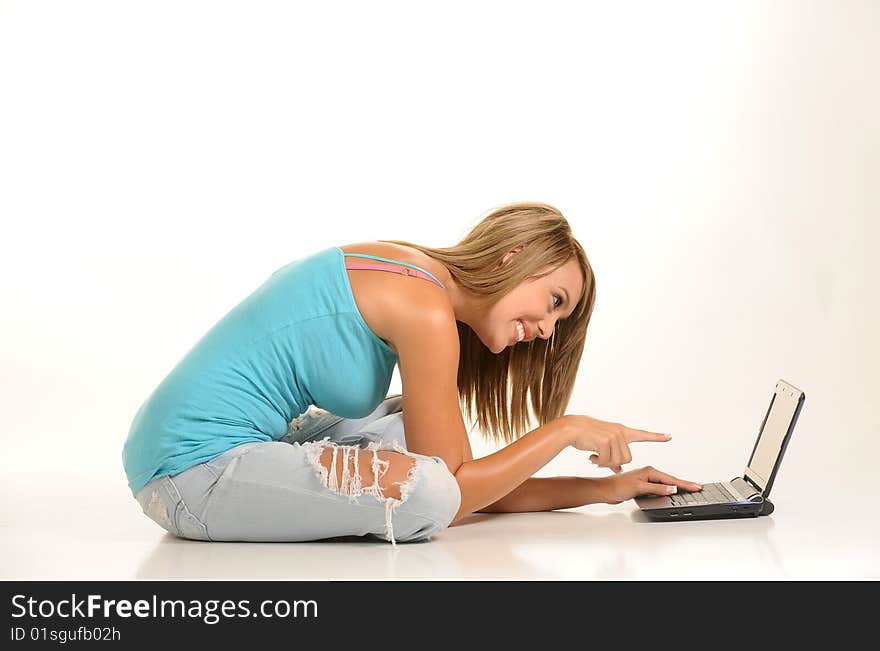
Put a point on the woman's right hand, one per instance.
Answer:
(610, 441)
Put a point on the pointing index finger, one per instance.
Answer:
(644, 435)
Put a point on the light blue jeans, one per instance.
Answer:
(278, 490)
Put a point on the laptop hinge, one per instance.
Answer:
(757, 488)
(746, 485)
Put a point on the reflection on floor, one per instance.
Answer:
(92, 529)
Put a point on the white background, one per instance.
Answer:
(719, 162)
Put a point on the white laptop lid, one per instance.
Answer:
(778, 425)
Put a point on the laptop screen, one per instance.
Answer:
(773, 437)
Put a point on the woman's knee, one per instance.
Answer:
(433, 498)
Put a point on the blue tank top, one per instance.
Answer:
(297, 340)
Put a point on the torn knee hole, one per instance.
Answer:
(352, 471)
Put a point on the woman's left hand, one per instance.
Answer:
(643, 481)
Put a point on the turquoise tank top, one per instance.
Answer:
(297, 340)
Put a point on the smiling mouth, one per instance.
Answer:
(516, 338)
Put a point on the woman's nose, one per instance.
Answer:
(545, 330)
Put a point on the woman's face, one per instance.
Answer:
(538, 304)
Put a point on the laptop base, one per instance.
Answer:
(721, 512)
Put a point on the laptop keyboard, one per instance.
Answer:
(711, 494)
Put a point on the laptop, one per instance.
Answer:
(745, 496)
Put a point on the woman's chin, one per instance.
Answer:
(496, 348)
(502, 348)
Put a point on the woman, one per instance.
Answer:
(274, 427)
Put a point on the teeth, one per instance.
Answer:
(521, 332)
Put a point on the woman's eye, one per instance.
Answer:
(555, 304)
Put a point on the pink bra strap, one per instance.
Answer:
(381, 266)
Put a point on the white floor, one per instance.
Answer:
(78, 527)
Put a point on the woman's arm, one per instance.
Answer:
(490, 479)
(549, 493)
(545, 493)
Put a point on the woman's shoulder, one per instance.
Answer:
(391, 303)
(400, 253)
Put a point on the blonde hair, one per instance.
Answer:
(496, 387)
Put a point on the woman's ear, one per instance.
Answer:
(510, 254)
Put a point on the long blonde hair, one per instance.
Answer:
(496, 387)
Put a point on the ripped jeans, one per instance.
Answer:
(279, 490)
